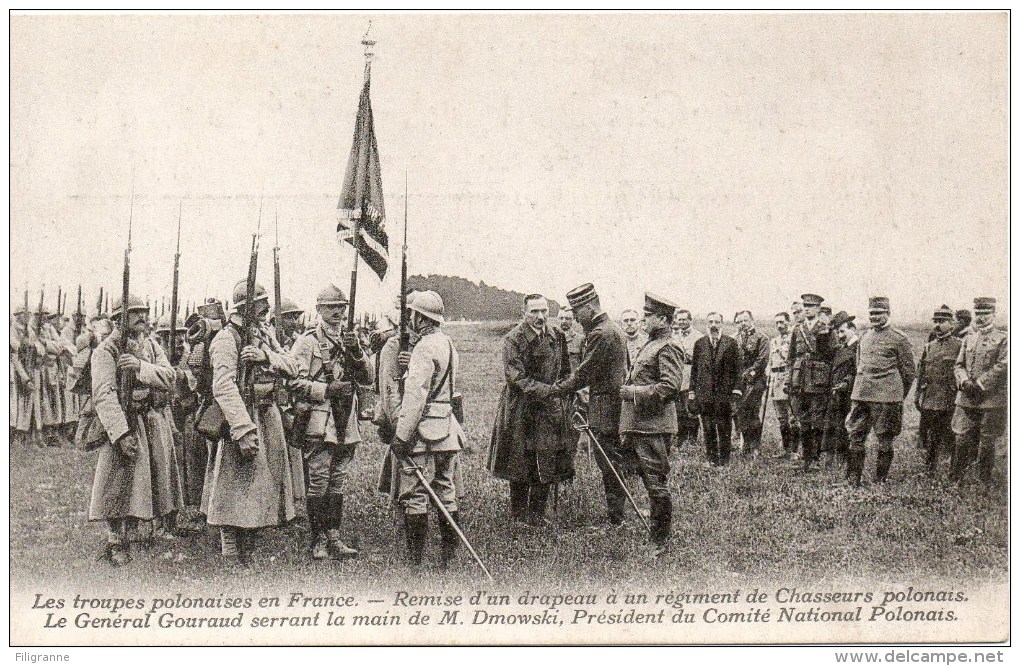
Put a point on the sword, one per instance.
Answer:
(581, 425)
(408, 464)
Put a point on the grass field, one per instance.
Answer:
(755, 521)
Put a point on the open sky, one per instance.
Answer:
(723, 160)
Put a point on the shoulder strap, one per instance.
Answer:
(447, 374)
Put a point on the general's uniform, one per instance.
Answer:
(885, 372)
(603, 370)
(810, 368)
(754, 355)
(779, 350)
(979, 420)
(249, 493)
(686, 416)
(648, 417)
(532, 443)
(322, 358)
(936, 391)
(148, 486)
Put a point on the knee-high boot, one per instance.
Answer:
(519, 501)
(449, 540)
(338, 550)
(416, 528)
(316, 522)
(882, 465)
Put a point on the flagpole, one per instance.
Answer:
(368, 44)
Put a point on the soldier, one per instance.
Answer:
(428, 435)
(330, 361)
(810, 359)
(136, 473)
(779, 349)
(885, 371)
(981, 374)
(250, 486)
(648, 413)
(575, 337)
(754, 355)
(963, 320)
(287, 329)
(70, 399)
(532, 443)
(203, 326)
(797, 312)
(602, 370)
(636, 338)
(25, 349)
(835, 440)
(287, 332)
(936, 388)
(51, 395)
(685, 335)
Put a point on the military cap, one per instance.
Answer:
(944, 313)
(825, 309)
(659, 305)
(331, 295)
(841, 318)
(811, 299)
(878, 304)
(240, 294)
(581, 295)
(984, 305)
(290, 307)
(429, 304)
(135, 304)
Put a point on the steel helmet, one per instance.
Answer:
(241, 294)
(135, 304)
(331, 295)
(428, 304)
(163, 324)
(290, 307)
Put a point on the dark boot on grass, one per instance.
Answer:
(450, 540)
(338, 550)
(882, 465)
(416, 527)
(316, 515)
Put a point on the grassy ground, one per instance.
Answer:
(755, 521)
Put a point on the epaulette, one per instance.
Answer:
(897, 331)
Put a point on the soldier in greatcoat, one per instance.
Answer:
(810, 367)
(532, 443)
(885, 372)
(250, 485)
(979, 420)
(71, 400)
(25, 349)
(136, 473)
(835, 439)
(51, 389)
(936, 388)
(330, 362)
(428, 436)
(754, 358)
(648, 413)
(602, 370)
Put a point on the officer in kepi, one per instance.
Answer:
(330, 360)
(648, 413)
(428, 432)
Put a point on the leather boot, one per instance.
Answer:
(229, 546)
(855, 467)
(538, 500)
(519, 501)
(809, 453)
(882, 465)
(338, 550)
(118, 548)
(449, 540)
(416, 528)
(661, 520)
(316, 514)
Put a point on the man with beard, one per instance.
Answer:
(636, 338)
(981, 373)
(648, 414)
(936, 388)
(603, 370)
(714, 377)
(885, 372)
(835, 440)
(330, 361)
(532, 443)
(754, 355)
(136, 473)
(779, 349)
(685, 335)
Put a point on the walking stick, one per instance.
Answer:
(406, 462)
(581, 425)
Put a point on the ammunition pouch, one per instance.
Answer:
(89, 435)
(210, 421)
(435, 422)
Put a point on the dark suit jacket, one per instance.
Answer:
(715, 372)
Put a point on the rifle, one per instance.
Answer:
(174, 356)
(277, 287)
(60, 310)
(38, 314)
(79, 317)
(126, 386)
(246, 379)
(405, 336)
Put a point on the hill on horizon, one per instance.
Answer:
(467, 300)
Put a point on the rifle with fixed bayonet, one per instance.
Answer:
(126, 385)
(174, 356)
(277, 286)
(246, 375)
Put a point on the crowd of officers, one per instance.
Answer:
(258, 424)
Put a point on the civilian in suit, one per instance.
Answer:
(714, 376)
